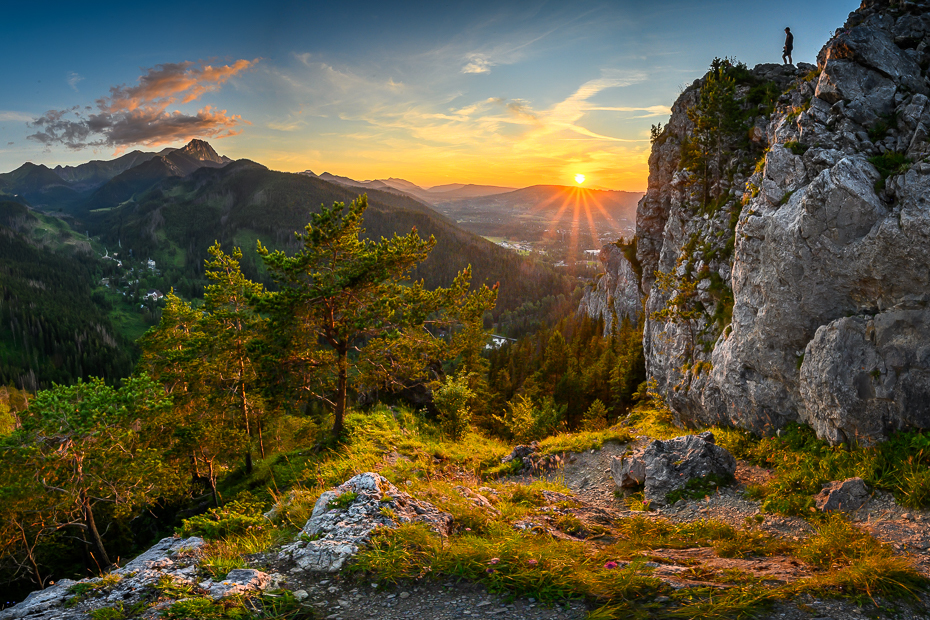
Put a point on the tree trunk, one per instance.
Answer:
(244, 404)
(92, 529)
(342, 388)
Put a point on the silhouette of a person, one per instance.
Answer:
(789, 46)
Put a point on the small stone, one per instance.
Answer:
(300, 595)
(404, 595)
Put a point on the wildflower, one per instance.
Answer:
(467, 529)
(532, 562)
(495, 560)
(490, 570)
(610, 565)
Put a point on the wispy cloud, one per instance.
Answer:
(139, 114)
(73, 79)
(14, 116)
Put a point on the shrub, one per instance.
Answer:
(526, 422)
(595, 418)
(235, 518)
(451, 399)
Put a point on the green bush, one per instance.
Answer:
(451, 399)
(526, 422)
(233, 519)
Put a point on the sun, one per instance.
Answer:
(579, 179)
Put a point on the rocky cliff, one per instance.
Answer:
(785, 247)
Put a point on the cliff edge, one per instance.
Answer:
(784, 239)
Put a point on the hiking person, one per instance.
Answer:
(789, 46)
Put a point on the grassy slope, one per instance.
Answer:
(604, 564)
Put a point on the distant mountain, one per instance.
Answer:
(457, 191)
(104, 184)
(175, 222)
(96, 173)
(431, 196)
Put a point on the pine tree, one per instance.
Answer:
(344, 312)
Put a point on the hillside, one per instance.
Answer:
(175, 222)
(53, 328)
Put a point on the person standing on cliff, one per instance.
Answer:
(789, 46)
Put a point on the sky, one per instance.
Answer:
(495, 93)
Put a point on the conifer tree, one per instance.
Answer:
(344, 308)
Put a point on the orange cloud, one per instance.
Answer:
(137, 114)
(165, 84)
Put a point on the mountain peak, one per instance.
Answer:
(199, 149)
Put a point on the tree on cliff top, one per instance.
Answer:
(345, 313)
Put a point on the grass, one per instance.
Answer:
(583, 441)
(889, 164)
(802, 464)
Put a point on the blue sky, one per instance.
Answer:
(504, 93)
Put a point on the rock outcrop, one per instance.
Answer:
(846, 495)
(172, 559)
(667, 466)
(616, 293)
(344, 518)
(797, 256)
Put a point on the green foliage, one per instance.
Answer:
(108, 613)
(880, 128)
(235, 518)
(595, 418)
(718, 119)
(796, 147)
(803, 464)
(343, 501)
(451, 398)
(698, 488)
(574, 363)
(889, 164)
(629, 252)
(204, 608)
(52, 330)
(80, 447)
(525, 421)
(341, 290)
(656, 134)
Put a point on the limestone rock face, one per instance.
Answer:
(667, 466)
(617, 291)
(337, 527)
(817, 310)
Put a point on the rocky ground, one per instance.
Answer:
(587, 476)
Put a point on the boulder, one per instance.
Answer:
(337, 528)
(172, 558)
(628, 471)
(667, 466)
(846, 495)
(240, 581)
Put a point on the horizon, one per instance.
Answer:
(513, 95)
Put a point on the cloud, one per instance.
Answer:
(139, 114)
(478, 63)
(14, 116)
(73, 79)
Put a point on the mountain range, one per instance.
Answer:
(165, 209)
(431, 196)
